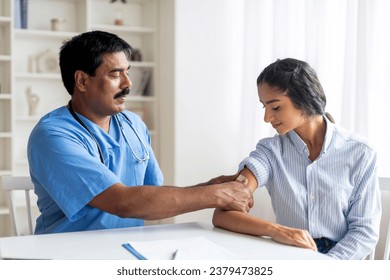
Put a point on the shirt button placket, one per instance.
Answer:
(310, 185)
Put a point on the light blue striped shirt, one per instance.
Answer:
(336, 196)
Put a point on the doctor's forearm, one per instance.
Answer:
(151, 202)
(172, 201)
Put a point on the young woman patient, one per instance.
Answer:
(321, 178)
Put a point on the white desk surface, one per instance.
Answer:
(107, 244)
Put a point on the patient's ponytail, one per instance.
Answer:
(329, 116)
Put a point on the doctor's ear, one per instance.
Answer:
(81, 79)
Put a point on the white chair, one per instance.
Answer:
(11, 184)
(384, 185)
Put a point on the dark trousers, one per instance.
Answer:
(324, 244)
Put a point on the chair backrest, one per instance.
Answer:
(11, 184)
(384, 184)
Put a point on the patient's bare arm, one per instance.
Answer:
(247, 224)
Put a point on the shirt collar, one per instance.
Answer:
(302, 147)
(298, 142)
(328, 135)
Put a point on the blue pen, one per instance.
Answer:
(130, 248)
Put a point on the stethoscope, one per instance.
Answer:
(139, 159)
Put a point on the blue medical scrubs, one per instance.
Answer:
(67, 171)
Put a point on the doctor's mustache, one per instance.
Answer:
(124, 92)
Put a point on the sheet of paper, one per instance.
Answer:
(192, 248)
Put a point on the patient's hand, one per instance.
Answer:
(293, 236)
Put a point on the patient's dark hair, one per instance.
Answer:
(85, 52)
(296, 79)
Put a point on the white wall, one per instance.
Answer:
(207, 56)
(166, 82)
(208, 51)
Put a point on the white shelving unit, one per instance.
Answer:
(19, 52)
(5, 86)
(6, 134)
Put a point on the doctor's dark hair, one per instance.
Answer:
(85, 52)
(297, 80)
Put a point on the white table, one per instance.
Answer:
(107, 244)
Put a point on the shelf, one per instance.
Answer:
(123, 28)
(142, 64)
(27, 75)
(140, 98)
(5, 96)
(5, 20)
(4, 211)
(27, 119)
(45, 34)
(5, 58)
(5, 172)
(5, 134)
(35, 33)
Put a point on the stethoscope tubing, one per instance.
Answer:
(139, 159)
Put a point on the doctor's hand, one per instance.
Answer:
(234, 195)
(221, 179)
(292, 236)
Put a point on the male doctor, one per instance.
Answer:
(91, 161)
